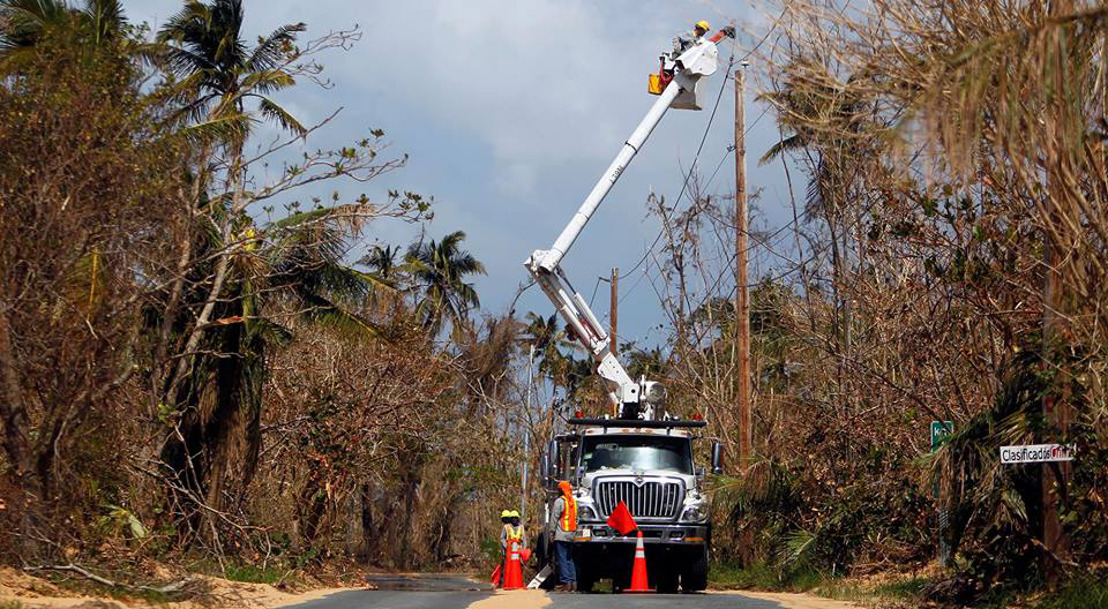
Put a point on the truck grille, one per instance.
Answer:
(646, 500)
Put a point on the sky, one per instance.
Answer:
(510, 110)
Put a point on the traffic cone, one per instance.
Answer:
(513, 575)
(638, 572)
(495, 577)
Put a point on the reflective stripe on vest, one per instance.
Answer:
(568, 520)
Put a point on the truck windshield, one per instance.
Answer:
(641, 453)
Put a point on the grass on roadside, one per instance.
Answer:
(1088, 592)
(765, 577)
(762, 576)
(254, 575)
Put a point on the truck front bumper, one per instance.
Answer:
(590, 533)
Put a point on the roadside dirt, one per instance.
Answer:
(795, 601)
(514, 599)
(534, 599)
(209, 592)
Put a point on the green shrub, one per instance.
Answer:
(1089, 592)
(761, 575)
(254, 574)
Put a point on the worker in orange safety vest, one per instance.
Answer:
(565, 511)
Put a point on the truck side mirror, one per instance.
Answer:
(717, 458)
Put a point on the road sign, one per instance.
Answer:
(940, 433)
(1037, 453)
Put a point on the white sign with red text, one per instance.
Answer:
(1037, 453)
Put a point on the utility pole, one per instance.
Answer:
(1056, 411)
(527, 431)
(614, 311)
(1055, 404)
(742, 303)
(613, 317)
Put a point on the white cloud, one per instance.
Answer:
(534, 80)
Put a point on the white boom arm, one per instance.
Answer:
(699, 60)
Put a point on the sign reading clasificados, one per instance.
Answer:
(1037, 453)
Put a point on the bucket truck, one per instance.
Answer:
(642, 456)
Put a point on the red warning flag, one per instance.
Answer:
(621, 519)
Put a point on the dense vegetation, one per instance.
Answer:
(946, 264)
(197, 363)
(202, 361)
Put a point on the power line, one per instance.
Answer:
(688, 175)
(771, 29)
(685, 184)
(594, 288)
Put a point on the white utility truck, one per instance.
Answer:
(641, 455)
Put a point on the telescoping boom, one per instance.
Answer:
(685, 70)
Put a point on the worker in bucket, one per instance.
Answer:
(565, 511)
(686, 40)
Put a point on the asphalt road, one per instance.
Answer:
(407, 592)
(452, 592)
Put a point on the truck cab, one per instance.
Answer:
(649, 466)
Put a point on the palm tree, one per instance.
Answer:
(249, 273)
(219, 73)
(290, 270)
(203, 47)
(826, 119)
(25, 24)
(544, 334)
(383, 261)
(439, 271)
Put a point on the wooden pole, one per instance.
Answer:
(613, 317)
(742, 304)
(1056, 411)
(614, 311)
(1055, 404)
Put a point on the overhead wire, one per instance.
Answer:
(692, 168)
(711, 179)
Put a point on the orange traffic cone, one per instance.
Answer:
(513, 575)
(638, 572)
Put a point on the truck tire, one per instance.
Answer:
(542, 551)
(666, 581)
(695, 577)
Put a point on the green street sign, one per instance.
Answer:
(940, 433)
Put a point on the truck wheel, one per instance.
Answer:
(542, 550)
(695, 578)
(666, 582)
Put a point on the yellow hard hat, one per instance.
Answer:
(514, 514)
(505, 514)
(703, 25)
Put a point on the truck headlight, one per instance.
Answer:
(587, 513)
(695, 513)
